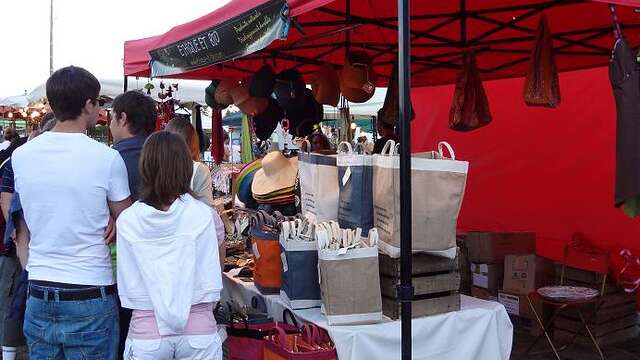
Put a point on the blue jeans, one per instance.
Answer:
(82, 330)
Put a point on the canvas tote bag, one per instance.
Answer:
(349, 279)
(355, 180)
(318, 185)
(300, 287)
(438, 184)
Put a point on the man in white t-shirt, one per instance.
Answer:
(69, 186)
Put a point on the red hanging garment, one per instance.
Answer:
(217, 141)
(470, 108)
(166, 111)
(541, 86)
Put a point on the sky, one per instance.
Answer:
(86, 33)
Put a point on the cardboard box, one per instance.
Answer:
(526, 273)
(491, 247)
(484, 294)
(487, 276)
(517, 307)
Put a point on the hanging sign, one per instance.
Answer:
(242, 35)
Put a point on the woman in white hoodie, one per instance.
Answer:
(168, 265)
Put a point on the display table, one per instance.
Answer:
(480, 330)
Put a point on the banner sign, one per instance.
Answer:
(242, 35)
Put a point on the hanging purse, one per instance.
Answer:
(470, 108)
(541, 86)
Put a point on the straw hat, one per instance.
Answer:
(277, 173)
(326, 85)
(358, 78)
(222, 94)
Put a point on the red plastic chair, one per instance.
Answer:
(582, 255)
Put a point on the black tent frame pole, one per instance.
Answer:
(126, 83)
(405, 290)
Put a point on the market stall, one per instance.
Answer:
(465, 43)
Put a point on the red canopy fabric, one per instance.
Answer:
(535, 169)
(501, 31)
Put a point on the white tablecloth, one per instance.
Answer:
(480, 330)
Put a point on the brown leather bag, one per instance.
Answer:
(541, 87)
(391, 108)
(470, 108)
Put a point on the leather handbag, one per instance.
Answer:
(312, 344)
(265, 247)
(245, 336)
(470, 108)
(541, 86)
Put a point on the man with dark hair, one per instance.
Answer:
(70, 186)
(386, 132)
(133, 120)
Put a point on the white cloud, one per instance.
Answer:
(87, 33)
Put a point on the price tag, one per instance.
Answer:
(346, 176)
(285, 266)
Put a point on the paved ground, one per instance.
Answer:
(629, 350)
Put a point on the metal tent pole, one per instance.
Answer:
(126, 83)
(404, 81)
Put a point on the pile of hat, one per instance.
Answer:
(274, 183)
(269, 97)
(244, 180)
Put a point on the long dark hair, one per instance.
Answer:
(165, 169)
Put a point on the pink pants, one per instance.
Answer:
(193, 347)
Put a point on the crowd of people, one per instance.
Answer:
(109, 252)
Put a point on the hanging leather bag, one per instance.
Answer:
(541, 86)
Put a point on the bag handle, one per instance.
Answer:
(389, 148)
(308, 146)
(373, 237)
(294, 322)
(344, 144)
(362, 150)
(284, 226)
(443, 144)
(281, 335)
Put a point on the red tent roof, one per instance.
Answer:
(501, 32)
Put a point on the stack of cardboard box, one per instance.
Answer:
(486, 254)
(504, 268)
(524, 274)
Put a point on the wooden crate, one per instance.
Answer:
(424, 307)
(464, 266)
(577, 277)
(615, 337)
(436, 284)
(614, 320)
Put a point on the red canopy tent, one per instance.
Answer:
(501, 32)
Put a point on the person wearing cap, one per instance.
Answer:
(70, 185)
